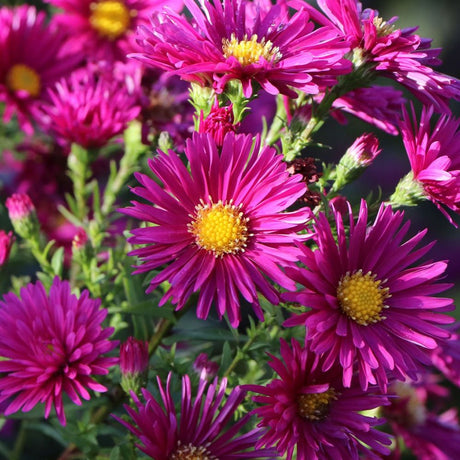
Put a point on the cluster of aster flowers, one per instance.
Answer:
(192, 266)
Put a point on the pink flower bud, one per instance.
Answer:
(203, 365)
(134, 356)
(19, 206)
(218, 123)
(365, 149)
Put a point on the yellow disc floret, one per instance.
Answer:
(110, 19)
(250, 51)
(315, 406)
(361, 297)
(219, 228)
(22, 78)
(190, 452)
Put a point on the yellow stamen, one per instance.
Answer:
(361, 297)
(315, 406)
(250, 51)
(383, 28)
(22, 78)
(190, 452)
(219, 228)
(110, 19)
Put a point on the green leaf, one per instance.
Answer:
(57, 261)
(226, 356)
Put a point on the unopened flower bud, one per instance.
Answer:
(356, 159)
(219, 122)
(6, 241)
(22, 215)
(134, 363)
(203, 366)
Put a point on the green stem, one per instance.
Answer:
(240, 355)
(20, 441)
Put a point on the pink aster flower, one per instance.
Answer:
(398, 54)
(89, 108)
(377, 105)
(31, 61)
(221, 226)
(372, 310)
(105, 29)
(310, 410)
(434, 156)
(51, 344)
(237, 40)
(6, 241)
(428, 435)
(200, 429)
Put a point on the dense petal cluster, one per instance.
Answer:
(239, 40)
(199, 429)
(372, 310)
(398, 54)
(220, 227)
(105, 30)
(50, 345)
(434, 155)
(309, 411)
(31, 61)
(89, 108)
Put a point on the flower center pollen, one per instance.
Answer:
(250, 51)
(219, 228)
(110, 18)
(362, 298)
(190, 452)
(315, 406)
(22, 78)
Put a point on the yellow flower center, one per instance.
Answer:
(110, 18)
(22, 78)
(315, 406)
(250, 51)
(362, 298)
(219, 228)
(190, 452)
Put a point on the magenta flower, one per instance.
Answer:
(372, 310)
(6, 241)
(237, 40)
(309, 409)
(397, 54)
(200, 429)
(105, 29)
(428, 435)
(89, 109)
(31, 61)
(377, 105)
(50, 345)
(434, 156)
(220, 228)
